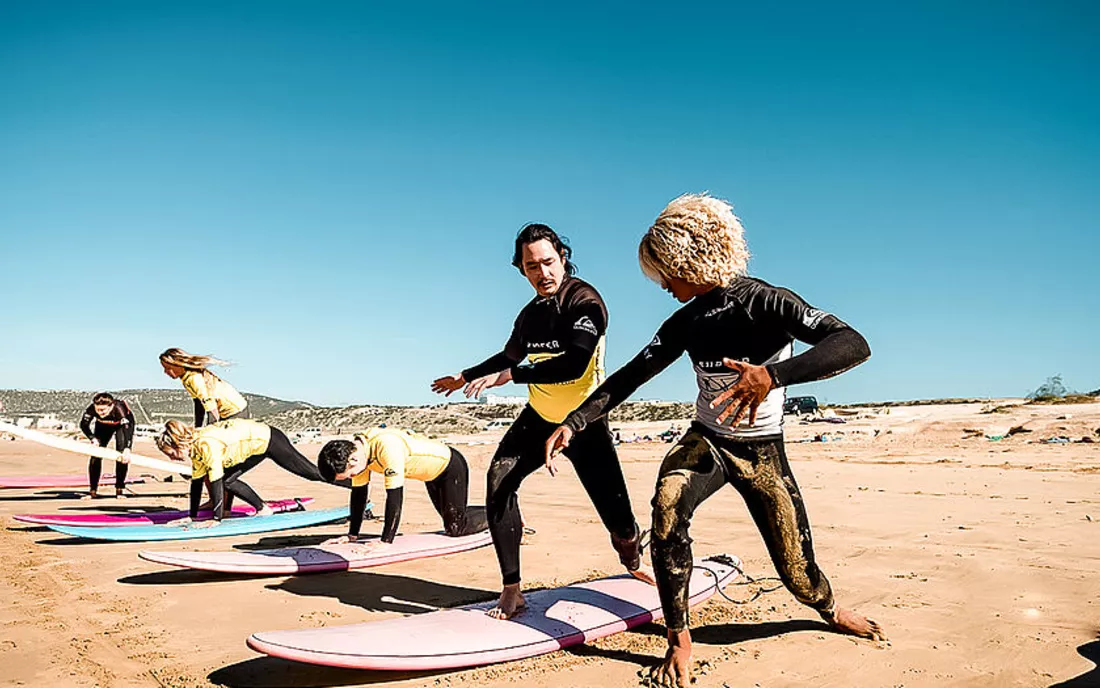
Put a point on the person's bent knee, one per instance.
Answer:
(668, 510)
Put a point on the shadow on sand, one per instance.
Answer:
(381, 592)
(1091, 678)
(269, 672)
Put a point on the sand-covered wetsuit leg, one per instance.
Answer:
(689, 474)
(449, 492)
(761, 473)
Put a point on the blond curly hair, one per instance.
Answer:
(696, 238)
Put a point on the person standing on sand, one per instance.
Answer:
(561, 333)
(107, 417)
(214, 398)
(739, 333)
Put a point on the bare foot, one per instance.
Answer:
(848, 622)
(90, 495)
(266, 511)
(644, 573)
(675, 671)
(511, 602)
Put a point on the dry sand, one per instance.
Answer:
(979, 558)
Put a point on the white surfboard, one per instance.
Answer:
(89, 449)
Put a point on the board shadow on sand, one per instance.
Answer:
(1091, 678)
(382, 592)
(183, 577)
(284, 541)
(271, 672)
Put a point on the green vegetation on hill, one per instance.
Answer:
(149, 405)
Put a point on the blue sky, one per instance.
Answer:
(326, 193)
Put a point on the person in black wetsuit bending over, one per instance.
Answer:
(739, 334)
(561, 334)
(107, 417)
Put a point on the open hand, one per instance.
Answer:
(745, 395)
(447, 384)
(557, 442)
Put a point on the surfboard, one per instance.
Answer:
(147, 518)
(28, 482)
(292, 560)
(448, 639)
(89, 449)
(227, 528)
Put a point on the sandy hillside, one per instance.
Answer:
(979, 557)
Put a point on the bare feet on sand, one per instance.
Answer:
(675, 670)
(848, 622)
(510, 603)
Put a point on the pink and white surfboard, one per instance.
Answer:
(292, 560)
(30, 482)
(149, 518)
(554, 619)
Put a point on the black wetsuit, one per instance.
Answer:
(449, 492)
(748, 321)
(569, 326)
(119, 424)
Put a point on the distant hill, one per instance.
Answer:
(159, 405)
(149, 405)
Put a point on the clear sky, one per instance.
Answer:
(326, 193)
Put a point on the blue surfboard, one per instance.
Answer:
(228, 527)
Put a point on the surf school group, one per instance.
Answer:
(738, 332)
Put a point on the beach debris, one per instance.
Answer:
(1060, 439)
(969, 433)
(1086, 440)
(1016, 430)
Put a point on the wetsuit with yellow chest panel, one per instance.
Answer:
(211, 395)
(225, 450)
(398, 455)
(562, 338)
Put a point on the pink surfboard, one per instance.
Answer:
(447, 639)
(48, 481)
(147, 519)
(292, 560)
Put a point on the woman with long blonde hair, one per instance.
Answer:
(223, 452)
(214, 398)
(739, 333)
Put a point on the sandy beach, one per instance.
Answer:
(978, 556)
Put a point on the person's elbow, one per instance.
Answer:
(859, 347)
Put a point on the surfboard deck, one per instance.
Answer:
(149, 518)
(89, 449)
(322, 558)
(30, 482)
(236, 526)
(448, 639)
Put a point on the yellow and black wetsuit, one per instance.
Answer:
(213, 395)
(562, 337)
(226, 450)
(398, 455)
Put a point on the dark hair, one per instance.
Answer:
(102, 398)
(535, 232)
(333, 459)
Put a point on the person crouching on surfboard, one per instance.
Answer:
(107, 417)
(561, 332)
(225, 451)
(739, 333)
(399, 455)
(214, 398)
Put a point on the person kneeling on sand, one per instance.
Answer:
(224, 452)
(399, 455)
(739, 333)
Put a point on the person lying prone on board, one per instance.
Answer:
(225, 451)
(399, 455)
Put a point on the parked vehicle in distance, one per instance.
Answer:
(800, 405)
